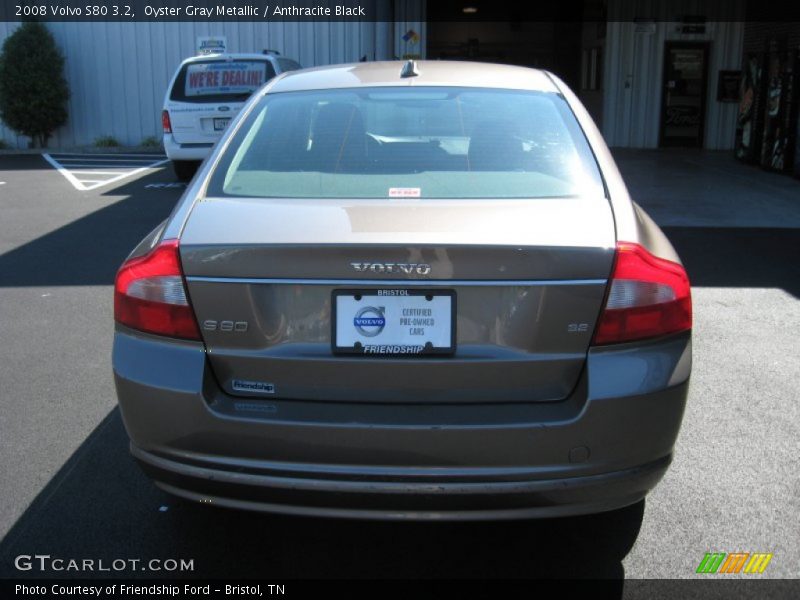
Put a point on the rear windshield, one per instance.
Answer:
(408, 142)
(220, 80)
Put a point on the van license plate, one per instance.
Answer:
(220, 124)
(393, 321)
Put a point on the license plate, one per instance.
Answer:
(220, 124)
(393, 322)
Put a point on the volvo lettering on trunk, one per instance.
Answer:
(404, 268)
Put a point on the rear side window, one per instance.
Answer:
(421, 142)
(220, 80)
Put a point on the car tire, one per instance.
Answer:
(185, 169)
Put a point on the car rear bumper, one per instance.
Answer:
(602, 448)
(193, 152)
(366, 499)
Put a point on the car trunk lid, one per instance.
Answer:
(528, 278)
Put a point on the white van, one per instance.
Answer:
(204, 95)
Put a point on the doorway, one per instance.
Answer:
(683, 106)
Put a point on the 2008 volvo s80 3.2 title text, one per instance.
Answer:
(406, 290)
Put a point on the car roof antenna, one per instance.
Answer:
(409, 69)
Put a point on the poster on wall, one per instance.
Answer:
(797, 115)
(797, 150)
(780, 111)
(729, 85)
(771, 152)
(791, 113)
(749, 118)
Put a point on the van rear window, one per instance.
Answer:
(220, 80)
(287, 64)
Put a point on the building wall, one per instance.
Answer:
(774, 141)
(757, 33)
(634, 63)
(408, 15)
(528, 43)
(593, 37)
(118, 72)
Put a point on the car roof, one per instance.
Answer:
(231, 56)
(430, 73)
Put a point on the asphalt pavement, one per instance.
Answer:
(70, 489)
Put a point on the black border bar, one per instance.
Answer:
(512, 11)
(711, 588)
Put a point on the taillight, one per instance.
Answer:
(150, 295)
(648, 297)
(165, 122)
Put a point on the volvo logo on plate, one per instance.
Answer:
(406, 268)
(369, 321)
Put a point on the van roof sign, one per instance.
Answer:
(211, 44)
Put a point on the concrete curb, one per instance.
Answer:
(85, 150)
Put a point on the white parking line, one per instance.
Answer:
(100, 172)
(73, 166)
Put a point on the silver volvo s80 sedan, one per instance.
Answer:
(406, 290)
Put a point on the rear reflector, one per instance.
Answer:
(150, 295)
(166, 124)
(648, 297)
